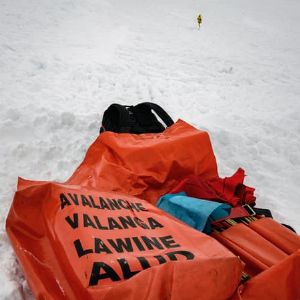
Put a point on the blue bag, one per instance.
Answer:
(197, 213)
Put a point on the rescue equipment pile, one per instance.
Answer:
(99, 235)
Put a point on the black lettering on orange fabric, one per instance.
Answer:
(154, 224)
(187, 254)
(87, 221)
(74, 198)
(73, 223)
(63, 201)
(169, 242)
(121, 245)
(80, 250)
(101, 247)
(98, 274)
(85, 201)
(127, 273)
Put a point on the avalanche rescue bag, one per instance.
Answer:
(141, 118)
(95, 236)
(81, 243)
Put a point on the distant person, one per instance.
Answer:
(199, 19)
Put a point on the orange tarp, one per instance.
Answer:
(79, 243)
(146, 165)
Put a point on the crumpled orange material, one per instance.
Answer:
(279, 282)
(146, 165)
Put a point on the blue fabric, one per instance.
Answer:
(197, 213)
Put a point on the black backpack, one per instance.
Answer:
(135, 119)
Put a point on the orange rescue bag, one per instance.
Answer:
(76, 242)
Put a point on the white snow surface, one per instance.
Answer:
(62, 62)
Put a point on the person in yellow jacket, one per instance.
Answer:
(199, 19)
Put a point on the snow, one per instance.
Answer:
(63, 62)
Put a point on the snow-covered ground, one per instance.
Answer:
(62, 62)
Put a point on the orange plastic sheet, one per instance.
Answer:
(282, 282)
(146, 165)
(76, 242)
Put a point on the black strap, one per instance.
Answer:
(263, 211)
(159, 110)
(289, 227)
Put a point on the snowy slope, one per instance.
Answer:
(63, 62)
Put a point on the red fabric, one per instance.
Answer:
(235, 212)
(229, 189)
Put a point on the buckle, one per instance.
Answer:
(249, 209)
